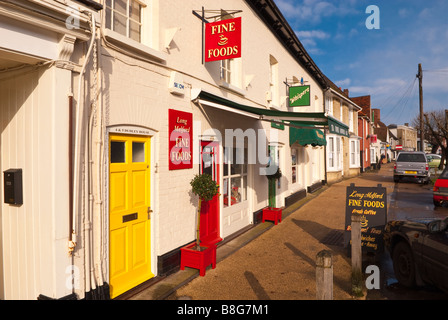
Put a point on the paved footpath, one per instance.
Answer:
(279, 264)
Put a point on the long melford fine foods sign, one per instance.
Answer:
(223, 40)
(180, 131)
(371, 204)
(299, 96)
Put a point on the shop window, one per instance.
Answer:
(234, 176)
(125, 17)
(118, 152)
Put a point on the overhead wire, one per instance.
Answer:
(402, 101)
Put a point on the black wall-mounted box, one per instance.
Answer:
(12, 186)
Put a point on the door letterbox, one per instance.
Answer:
(12, 186)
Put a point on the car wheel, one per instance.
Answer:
(404, 266)
(437, 203)
(396, 179)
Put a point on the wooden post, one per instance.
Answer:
(324, 275)
(356, 255)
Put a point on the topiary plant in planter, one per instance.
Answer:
(205, 188)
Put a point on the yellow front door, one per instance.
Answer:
(129, 212)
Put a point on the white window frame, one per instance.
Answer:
(113, 13)
(334, 155)
(354, 153)
(350, 120)
(331, 152)
(341, 111)
(243, 175)
(329, 104)
(295, 167)
(148, 45)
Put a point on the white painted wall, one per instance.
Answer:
(34, 137)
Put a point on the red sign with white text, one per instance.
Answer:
(180, 134)
(223, 40)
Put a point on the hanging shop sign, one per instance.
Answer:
(223, 40)
(299, 96)
(371, 204)
(180, 133)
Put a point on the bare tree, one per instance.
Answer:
(436, 131)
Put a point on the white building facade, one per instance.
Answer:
(113, 112)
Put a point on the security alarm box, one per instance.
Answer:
(12, 185)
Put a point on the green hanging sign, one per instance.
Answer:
(299, 96)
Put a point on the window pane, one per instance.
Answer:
(237, 161)
(294, 174)
(235, 190)
(134, 31)
(207, 162)
(117, 152)
(120, 6)
(134, 11)
(293, 157)
(120, 24)
(138, 152)
(244, 189)
(225, 192)
(108, 13)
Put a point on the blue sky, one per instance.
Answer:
(383, 62)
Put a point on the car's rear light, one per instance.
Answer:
(427, 168)
(435, 188)
(395, 166)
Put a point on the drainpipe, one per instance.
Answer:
(76, 169)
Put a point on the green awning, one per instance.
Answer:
(292, 119)
(305, 136)
(313, 118)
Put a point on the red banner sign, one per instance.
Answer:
(223, 40)
(180, 131)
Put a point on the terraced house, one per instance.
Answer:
(110, 108)
(343, 147)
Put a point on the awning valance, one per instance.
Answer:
(305, 136)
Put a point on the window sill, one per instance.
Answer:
(232, 88)
(134, 46)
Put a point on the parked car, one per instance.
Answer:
(434, 160)
(440, 190)
(412, 164)
(419, 251)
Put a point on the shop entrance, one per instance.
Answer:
(209, 232)
(129, 212)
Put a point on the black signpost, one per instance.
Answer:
(371, 204)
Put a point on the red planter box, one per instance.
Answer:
(198, 259)
(272, 214)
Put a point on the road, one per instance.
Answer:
(408, 200)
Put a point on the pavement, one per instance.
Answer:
(277, 262)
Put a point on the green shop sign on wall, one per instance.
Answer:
(299, 96)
